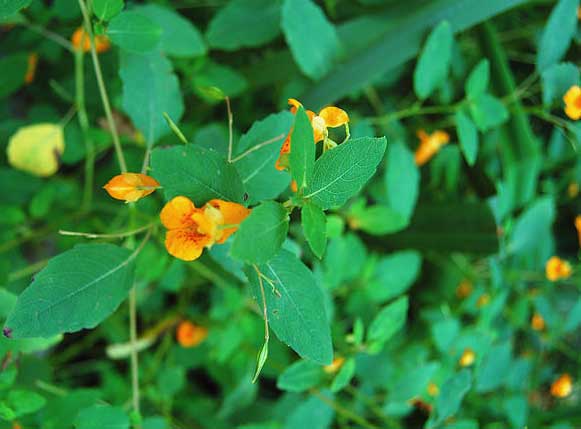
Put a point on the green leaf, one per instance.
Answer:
(377, 220)
(532, 227)
(311, 38)
(394, 275)
(558, 33)
(402, 179)
(261, 179)
(296, 310)
(344, 376)
(434, 61)
(134, 32)
(13, 71)
(300, 376)
(78, 289)
(450, 397)
(413, 383)
(488, 112)
(150, 88)
(478, 80)
(341, 172)
(244, 23)
(10, 7)
(261, 234)
(495, 366)
(260, 361)
(212, 75)
(468, 136)
(24, 402)
(557, 79)
(451, 227)
(107, 9)
(387, 323)
(312, 413)
(179, 37)
(302, 156)
(183, 170)
(397, 41)
(102, 417)
(314, 224)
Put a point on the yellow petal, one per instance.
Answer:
(319, 128)
(232, 213)
(334, 117)
(185, 243)
(36, 149)
(177, 213)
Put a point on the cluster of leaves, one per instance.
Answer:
(410, 294)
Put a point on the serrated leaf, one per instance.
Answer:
(296, 309)
(10, 7)
(78, 289)
(107, 9)
(477, 81)
(387, 323)
(244, 23)
(150, 88)
(434, 61)
(261, 234)
(468, 137)
(557, 79)
(314, 222)
(488, 112)
(134, 32)
(300, 376)
(402, 179)
(311, 38)
(558, 33)
(340, 173)
(183, 170)
(257, 169)
(179, 37)
(102, 417)
(302, 156)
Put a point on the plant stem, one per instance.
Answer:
(348, 414)
(134, 355)
(258, 146)
(84, 123)
(116, 235)
(57, 38)
(103, 89)
(230, 123)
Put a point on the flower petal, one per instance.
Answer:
(177, 213)
(334, 116)
(186, 243)
(130, 187)
(233, 214)
(295, 104)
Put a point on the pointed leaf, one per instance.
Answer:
(314, 227)
(302, 156)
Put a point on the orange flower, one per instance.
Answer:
(572, 99)
(464, 289)
(467, 358)
(557, 269)
(31, 70)
(190, 229)
(328, 117)
(190, 335)
(131, 187)
(430, 144)
(562, 386)
(537, 322)
(80, 40)
(578, 227)
(334, 366)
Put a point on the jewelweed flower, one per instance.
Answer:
(430, 144)
(334, 366)
(562, 386)
(81, 40)
(467, 358)
(572, 99)
(578, 227)
(557, 269)
(328, 117)
(190, 335)
(191, 229)
(464, 289)
(537, 322)
(131, 187)
(31, 68)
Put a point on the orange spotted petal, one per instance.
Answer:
(186, 243)
(233, 214)
(177, 213)
(334, 117)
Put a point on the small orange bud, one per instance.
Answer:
(557, 269)
(537, 322)
(433, 389)
(572, 99)
(80, 40)
(467, 358)
(190, 335)
(578, 227)
(334, 366)
(562, 386)
(294, 186)
(430, 144)
(131, 187)
(464, 289)
(31, 69)
(16, 425)
(483, 300)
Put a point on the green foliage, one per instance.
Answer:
(10, 7)
(314, 227)
(402, 179)
(107, 9)
(468, 136)
(302, 156)
(134, 32)
(557, 79)
(387, 323)
(102, 416)
(434, 61)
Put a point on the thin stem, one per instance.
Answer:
(415, 110)
(264, 308)
(115, 235)
(348, 414)
(27, 271)
(230, 123)
(258, 146)
(84, 123)
(175, 128)
(57, 38)
(103, 89)
(134, 351)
